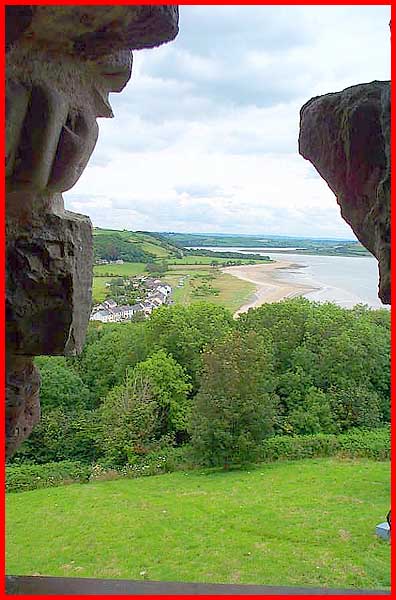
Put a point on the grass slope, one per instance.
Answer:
(155, 247)
(99, 289)
(303, 523)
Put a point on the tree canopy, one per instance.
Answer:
(194, 375)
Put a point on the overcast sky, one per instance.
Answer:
(205, 134)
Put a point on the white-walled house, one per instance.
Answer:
(103, 315)
(165, 289)
(109, 312)
(114, 313)
(123, 312)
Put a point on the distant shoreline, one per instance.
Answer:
(269, 287)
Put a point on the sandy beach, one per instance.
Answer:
(270, 288)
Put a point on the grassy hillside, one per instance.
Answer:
(99, 289)
(143, 246)
(132, 246)
(305, 523)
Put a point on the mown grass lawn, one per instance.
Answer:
(299, 523)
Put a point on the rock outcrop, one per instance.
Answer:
(346, 136)
(62, 62)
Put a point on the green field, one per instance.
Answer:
(99, 289)
(125, 270)
(232, 292)
(305, 523)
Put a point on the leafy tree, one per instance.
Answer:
(325, 347)
(234, 408)
(355, 406)
(129, 421)
(169, 387)
(184, 332)
(285, 322)
(104, 362)
(61, 387)
(313, 415)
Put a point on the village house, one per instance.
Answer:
(165, 289)
(109, 312)
(115, 315)
(103, 261)
(150, 283)
(105, 316)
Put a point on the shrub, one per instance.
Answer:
(373, 444)
(30, 477)
(62, 435)
(162, 460)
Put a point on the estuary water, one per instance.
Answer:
(344, 280)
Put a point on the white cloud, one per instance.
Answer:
(205, 134)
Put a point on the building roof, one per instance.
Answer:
(137, 307)
(109, 303)
(102, 313)
(121, 309)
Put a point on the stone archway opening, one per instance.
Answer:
(62, 62)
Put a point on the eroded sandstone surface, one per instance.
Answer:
(346, 136)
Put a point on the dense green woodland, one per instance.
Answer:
(193, 376)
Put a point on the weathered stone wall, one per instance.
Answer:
(346, 136)
(62, 62)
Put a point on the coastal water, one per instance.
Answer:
(344, 280)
